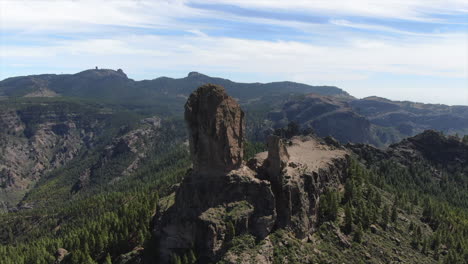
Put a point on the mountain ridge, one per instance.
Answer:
(56, 82)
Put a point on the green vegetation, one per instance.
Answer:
(111, 215)
(373, 221)
(116, 219)
(385, 212)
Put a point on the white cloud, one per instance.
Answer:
(404, 9)
(88, 15)
(339, 55)
(441, 57)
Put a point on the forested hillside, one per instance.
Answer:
(85, 178)
(328, 110)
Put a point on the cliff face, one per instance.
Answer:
(38, 139)
(34, 143)
(431, 147)
(222, 196)
(216, 123)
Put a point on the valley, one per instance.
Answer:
(98, 168)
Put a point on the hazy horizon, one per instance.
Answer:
(400, 50)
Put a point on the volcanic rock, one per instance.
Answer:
(221, 197)
(277, 158)
(216, 124)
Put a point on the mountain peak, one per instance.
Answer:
(99, 73)
(194, 74)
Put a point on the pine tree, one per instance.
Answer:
(358, 234)
(176, 260)
(424, 247)
(230, 231)
(191, 257)
(419, 233)
(415, 242)
(435, 242)
(377, 199)
(385, 217)
(108, 259)
(333, 200)
(348, 228)
(11, 237)
(394, 216)
(348, 191)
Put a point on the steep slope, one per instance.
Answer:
(307, 200)
(326, 116)
(134, 199)
(370, 120)
(326, 109)
(430, 163)
(280, 190)
(68, 143)
(410, 118)
(38, 138)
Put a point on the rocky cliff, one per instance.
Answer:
(36, 140)
(222, 196)
(431, 147)
(216, 123)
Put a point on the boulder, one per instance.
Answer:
(60, 254)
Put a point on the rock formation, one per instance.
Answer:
(278, 158)
(222, 196)
(430, 146)
(299, 174)
(216, 124)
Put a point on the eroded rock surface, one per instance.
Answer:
(299, 174)
(222, 196)
(216, 124)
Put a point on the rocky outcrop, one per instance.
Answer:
(38, 139)
(299, 174)
(277, 159)
(60, 255)
(35, 141)
(435, 147)
(208, 211)
(410, 118)
(222, 197)
(132, 145)
(216, 124)
(430, 147)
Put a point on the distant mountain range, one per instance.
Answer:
(110, 84)
(328, 110)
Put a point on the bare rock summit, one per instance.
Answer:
(216, 124)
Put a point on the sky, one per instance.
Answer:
(399, 49)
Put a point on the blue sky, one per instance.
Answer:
(405, 50)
